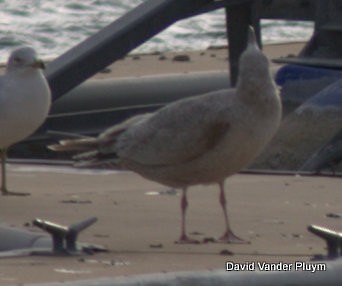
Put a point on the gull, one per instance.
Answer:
(25, 100)
(198, 140)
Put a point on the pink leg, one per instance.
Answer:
(228, 235)
(184, 205)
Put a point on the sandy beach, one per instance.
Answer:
(139, 223)
(212, 59)
(139, 226)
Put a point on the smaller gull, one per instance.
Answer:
(198, 140)
(25, 100)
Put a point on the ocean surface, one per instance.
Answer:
(52, 27)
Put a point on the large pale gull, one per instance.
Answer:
(198, 140)
(24, 102)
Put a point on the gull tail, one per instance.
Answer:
(91, 151)
(75, 145)
(88, 153)
(98, 151)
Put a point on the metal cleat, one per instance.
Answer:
(332, 238)
(64, 239)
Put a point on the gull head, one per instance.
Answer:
(253, 63)
(24, 58)
(252, 41)
(252, 49)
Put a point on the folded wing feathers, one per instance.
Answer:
(89, 148)
(75, 145)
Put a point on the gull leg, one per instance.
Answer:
(228, 235)
(184, 239)
(4, 190)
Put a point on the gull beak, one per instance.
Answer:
(38, 64)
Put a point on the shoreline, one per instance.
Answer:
(212, 58)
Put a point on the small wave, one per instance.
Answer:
(53, 27)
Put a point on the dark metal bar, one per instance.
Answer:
(303, 10)
(239, 17)
(145, 21)
(214, 5)
(115, 41)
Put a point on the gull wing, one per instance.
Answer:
(177, 133)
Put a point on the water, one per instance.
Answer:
(52, 27)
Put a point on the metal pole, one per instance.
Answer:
(238, 18)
